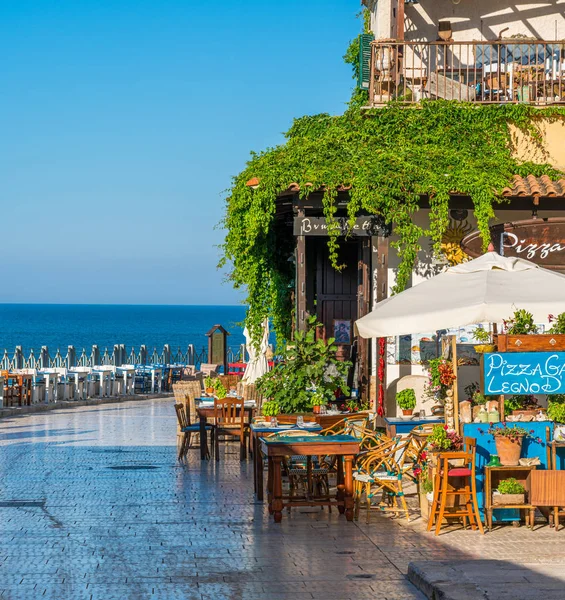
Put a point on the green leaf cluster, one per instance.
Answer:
(406, 399)
(309, 371)
(511, 486)
(556, 408)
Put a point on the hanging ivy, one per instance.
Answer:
(389, 157)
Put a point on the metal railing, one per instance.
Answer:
(497, 72)
(117, 356)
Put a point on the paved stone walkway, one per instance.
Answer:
(93, 505)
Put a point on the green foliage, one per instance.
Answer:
(308, 367)
(427, 485)
(208, 382)
(406, 399)
(558, 326)
(519, 402)
(318, 399)
(219, 389)
(479, 399)
(442, 439)
(389, 157)
(482, 335)
(270, 408)
(510, 486)
(556, 408)
(521, 323)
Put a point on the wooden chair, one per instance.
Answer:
(187, 429)
(448, 483)
(229, 381)
(229, 416)
(380, 471)
(12, 389)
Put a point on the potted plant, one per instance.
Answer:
(426, 495)
(521, 405)
(308, 364)
(510, 491)
(443, 439)
(317, 401)
(508, 440)
(521, 334)
(485, 341)
(441, 377)
(219, 390)
(270, 408)
(406, 400)
(209, 385)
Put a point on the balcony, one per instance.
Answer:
(497, 72)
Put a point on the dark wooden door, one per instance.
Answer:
(336, 291)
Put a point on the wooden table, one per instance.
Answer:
(493, 476)
(206, 413)
(256, 433)
(279, 446)
(324, 420)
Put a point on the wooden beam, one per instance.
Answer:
(363, 307)
(400, 21)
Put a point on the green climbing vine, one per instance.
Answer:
(389, 158)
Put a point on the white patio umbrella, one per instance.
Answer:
(487, 289)
(258, 364)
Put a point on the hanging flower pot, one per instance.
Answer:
(509, 449)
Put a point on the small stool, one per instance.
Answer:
(444, 487)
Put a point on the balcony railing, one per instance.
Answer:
(497, 72)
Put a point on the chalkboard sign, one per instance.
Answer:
(520, 373)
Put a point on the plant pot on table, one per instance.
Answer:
(407, 412)
(508, 449)
(504, 499)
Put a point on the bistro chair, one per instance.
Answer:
(380, 471)
(456, 482)
(187, 429)
(12, 389)
(306, 473)
(229, 416)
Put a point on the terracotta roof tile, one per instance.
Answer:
(535, 186)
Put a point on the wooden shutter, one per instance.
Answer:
(365, 59)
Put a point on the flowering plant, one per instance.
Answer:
(558, 323)
(521, 323)
(441, 375)
(513, 432)
(443, 439)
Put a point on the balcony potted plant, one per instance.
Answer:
(209, 385)
(485, 341)
(508, 440)
(510, 491)
(406, 400)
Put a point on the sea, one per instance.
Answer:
(83, 325)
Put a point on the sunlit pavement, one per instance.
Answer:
(93, 504)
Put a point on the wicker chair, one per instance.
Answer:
(381, 470)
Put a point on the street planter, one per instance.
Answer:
(505, 499)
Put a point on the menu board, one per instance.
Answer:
(522, 373)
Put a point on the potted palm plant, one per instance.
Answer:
(406, 400)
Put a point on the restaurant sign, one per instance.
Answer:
(541, 241)
(524, 373)
(363, 226)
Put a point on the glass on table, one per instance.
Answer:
(274, 422)
(300, 421)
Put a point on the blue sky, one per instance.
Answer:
(122, 123)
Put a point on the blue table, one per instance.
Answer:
(486, 446)
(395, 425)
(256, 433)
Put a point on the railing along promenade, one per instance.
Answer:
(117, 356)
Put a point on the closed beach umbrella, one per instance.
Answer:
(487, 289)
(258, 364)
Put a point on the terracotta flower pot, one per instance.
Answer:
(317, 409)
(209, 390)
(407, 412)
(508, 449)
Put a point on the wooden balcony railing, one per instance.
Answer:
(496, 72)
